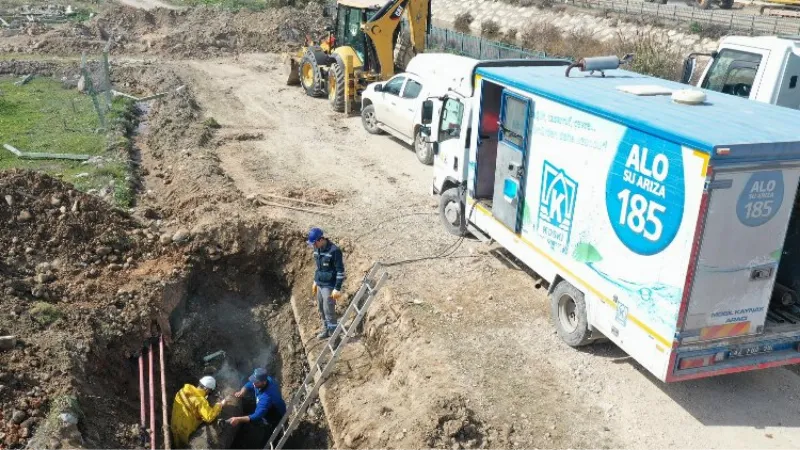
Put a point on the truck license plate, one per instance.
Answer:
(748, 351)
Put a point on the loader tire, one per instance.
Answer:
(336, 84)
(568, 312)
(310, 74)
(451, 211)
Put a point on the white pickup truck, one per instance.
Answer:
(394, 106)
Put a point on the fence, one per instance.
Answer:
(723, 20)
(450, 41)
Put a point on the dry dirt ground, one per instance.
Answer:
(458, 350)
(461, 350)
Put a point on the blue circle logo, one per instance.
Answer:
(645, 192)
(761, 198)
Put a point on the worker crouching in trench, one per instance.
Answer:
(262, 400)
(197, 424)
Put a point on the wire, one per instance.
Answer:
(391, 219)
(446, 253)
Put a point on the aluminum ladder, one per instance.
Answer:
(350, 320)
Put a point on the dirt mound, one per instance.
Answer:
(195, 33)
(64, 257)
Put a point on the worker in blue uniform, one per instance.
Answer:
(328, 279)
(269, 409)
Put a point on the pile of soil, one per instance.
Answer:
(65, 256)
(194, 33)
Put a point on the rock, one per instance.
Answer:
(251, 197)
(10, 200)
(82, 84)
(55, 201)
(350, 440)
(18, 416)
(24, 215)
(115, 266)
(29, 250)
(103, 250)
(181, 236)
(43, 267)
(68, 418)
(62, 210)
(8, 343)
(42, 278)
(165, 238)
(24, 433)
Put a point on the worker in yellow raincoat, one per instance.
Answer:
(191, 408)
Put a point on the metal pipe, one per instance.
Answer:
(164, 420)
(152, 402)
(141, 390)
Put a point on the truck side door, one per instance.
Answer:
(515, 112)
(408, 106)
(387, 111)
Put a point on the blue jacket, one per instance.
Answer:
(267, 397)
(330, 267)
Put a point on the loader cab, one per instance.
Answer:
(350, 16)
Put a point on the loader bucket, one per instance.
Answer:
(294, 73)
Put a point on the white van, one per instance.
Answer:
(394, 106)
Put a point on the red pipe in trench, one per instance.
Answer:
(164, 421)
(152, 402)
(141, 390)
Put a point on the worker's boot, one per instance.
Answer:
(324, 334)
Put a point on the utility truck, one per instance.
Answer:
(764, 68)
(661, 218)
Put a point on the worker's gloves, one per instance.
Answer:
(314, 288)
(336, 295)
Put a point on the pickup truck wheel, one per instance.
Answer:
(451, 210)
(424, 150)
(370, 120)
(568, 311)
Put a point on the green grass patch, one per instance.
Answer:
(45, 313)
(44, 117)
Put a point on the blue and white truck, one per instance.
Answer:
(661, 219)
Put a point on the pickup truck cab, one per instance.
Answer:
(394, 106)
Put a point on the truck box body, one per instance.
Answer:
(671, 219)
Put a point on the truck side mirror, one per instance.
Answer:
(427, 113)
(689, 66)
(378, 87)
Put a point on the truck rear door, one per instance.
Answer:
(745, 226)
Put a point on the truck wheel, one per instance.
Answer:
(336, 84)
(310, 75)
(370, 120)
(451, 210)
(424, 150)
(568, 311)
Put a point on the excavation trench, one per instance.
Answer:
(235, 316)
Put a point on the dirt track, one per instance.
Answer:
(465, 330)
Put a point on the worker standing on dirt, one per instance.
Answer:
(328, 279)
(270, 406)
(191, 408)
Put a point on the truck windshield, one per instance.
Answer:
(733, 72)
(452, 114)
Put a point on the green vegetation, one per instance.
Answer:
(44, 117)
(45, 313)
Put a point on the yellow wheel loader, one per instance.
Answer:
(359, 49)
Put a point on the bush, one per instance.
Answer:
(463, 21)
(711, 31)
(45, 313)
(490, 28)
(510, 36)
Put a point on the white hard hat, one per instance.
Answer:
(208, 382)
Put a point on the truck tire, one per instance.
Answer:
(451, 211)
(336, 84)
(424, 150)
(369, 120)
(310, 74)
(568, 311)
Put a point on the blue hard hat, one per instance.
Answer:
(260, 374)
(314, 235)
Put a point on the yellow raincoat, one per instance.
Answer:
(190, 409)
